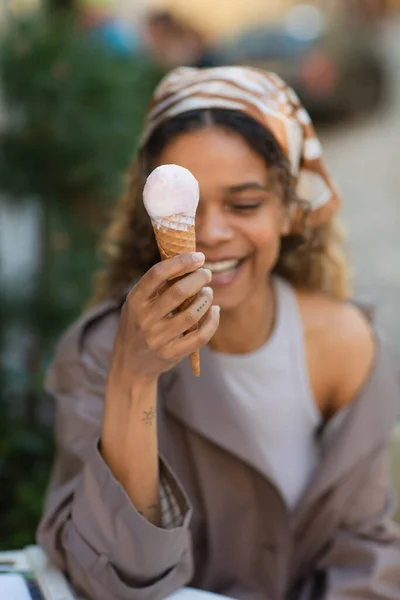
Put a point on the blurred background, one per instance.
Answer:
(75, 80)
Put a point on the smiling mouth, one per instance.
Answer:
(223, 266)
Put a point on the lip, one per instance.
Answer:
(223, 259)
(225, 278)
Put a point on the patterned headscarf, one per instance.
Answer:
(269, 101)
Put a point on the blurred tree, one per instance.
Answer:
(73, 111)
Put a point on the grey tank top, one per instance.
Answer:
(273, 403)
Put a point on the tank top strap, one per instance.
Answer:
(289, 335)
(288, 326)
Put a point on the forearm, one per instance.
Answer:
(129, 442)
(150, 340)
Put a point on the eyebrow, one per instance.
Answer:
(244, 187)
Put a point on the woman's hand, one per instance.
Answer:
(150, 340)
(151, 336)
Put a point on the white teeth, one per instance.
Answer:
(223, 265)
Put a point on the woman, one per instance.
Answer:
(265, 478)
(173, 41)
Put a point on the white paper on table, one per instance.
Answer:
(13, 587)
(33, 561)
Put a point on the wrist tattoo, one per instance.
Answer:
(149, 417)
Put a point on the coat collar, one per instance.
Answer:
(203, 406)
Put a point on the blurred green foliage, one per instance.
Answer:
(74, 110)
(73, 113)
(25, 454)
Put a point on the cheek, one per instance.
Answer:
(267, 231)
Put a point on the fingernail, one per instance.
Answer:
(198, 257)
(217, 309)
(208, 290)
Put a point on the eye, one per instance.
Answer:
(246, 206)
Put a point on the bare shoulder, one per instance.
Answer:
(340, 346)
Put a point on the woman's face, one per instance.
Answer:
(240, 217)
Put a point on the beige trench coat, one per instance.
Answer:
(236, 536)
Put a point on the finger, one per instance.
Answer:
(166, 270)
(192, 342)
(168, 330)
(172, 298)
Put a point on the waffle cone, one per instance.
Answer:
(172, 239)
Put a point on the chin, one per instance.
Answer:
(228, 301)
(231, 292)
(238, 289)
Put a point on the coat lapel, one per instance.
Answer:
(204, 406)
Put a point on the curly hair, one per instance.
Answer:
(313, 260)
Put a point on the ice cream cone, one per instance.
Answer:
(176, 235)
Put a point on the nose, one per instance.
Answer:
(212, 228)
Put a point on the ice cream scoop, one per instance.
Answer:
(171, 190)
(171, 196)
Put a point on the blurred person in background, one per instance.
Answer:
(267, 476)
(98, 18)
(174, 42)
(368, 10)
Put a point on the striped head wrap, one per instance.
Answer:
(274, 105)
